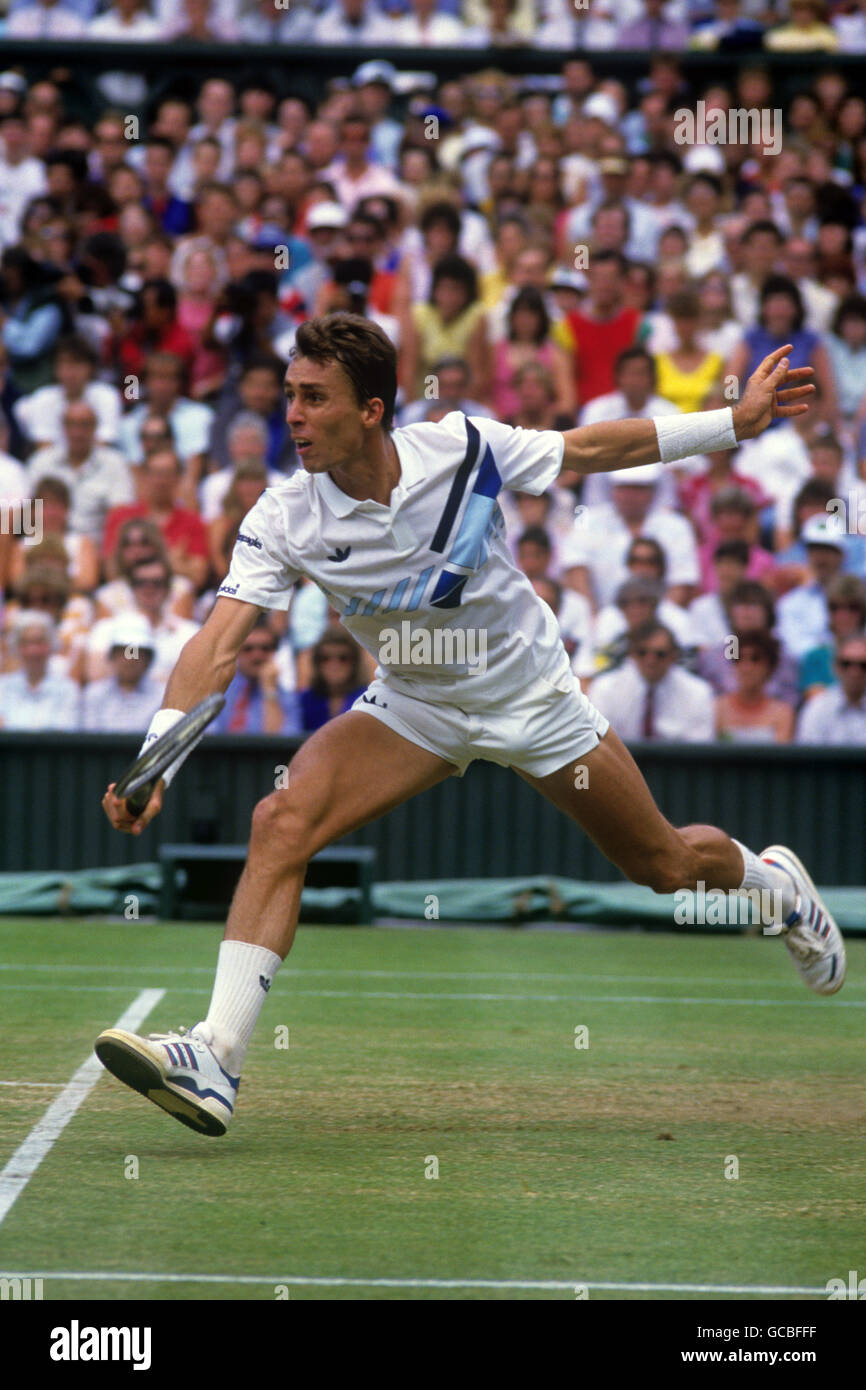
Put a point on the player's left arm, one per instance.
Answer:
(773, 391)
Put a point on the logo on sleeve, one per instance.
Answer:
(228, 588)
(248, 540)
(340, 555)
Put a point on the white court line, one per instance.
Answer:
(288, 994)
(316, 1281)
(288, 973)
(58, 1084)
(39, 1142)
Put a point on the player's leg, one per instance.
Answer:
(605, 792)
(351, 771)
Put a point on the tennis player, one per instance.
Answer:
(401, 530)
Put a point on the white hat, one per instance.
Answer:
(704, 159)
(131, 630)
(823, 530)
(602, 105)
(376, 70)
(326, 215)
(647, 475)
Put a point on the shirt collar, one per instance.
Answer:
(342, 505)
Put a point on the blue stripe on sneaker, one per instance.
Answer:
(189, 1085)
(191, 1055)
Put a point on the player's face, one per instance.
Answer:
(323, 415)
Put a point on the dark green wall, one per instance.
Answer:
(490, 823)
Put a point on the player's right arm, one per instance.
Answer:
(206, 665)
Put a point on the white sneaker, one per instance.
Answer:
(813, 940)
(177, 1071)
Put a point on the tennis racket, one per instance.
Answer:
(137, 784)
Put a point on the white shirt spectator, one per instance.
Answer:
(803, 619)
(611, 624)
(440, 31)
(40, 415)
(215, 486)
(778, 460)
(851, 32)
(103, 481)
(709, 619)
(600, 540)
(52, 704)
(614, 406)
(683, 705)
(332, 27)
(109, 707)
(45, 22)
(170, 637)
(560, 29)
(830, 719)
(110, 28)
(13, 479)
(190, 423)
(375, 181)
(19, 183)
(117, 596)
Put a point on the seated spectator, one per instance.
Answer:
(602, 328)
(80, 552)
(184, 531)
(718, 329)
(836, 717)
(98, 476)
(574, 618)
(428, 27)
(196, 307)
(846, 605)
(245, 487)
(650, 697)
(45, 19)
(780, 320)
(449, 392)
(44, 587)
(734, 517)
(653, 31)
(139, 539)
(452, 324)
(710, 613)
(190, 421)
(198, 23)
(806, 31)
(255, 701)
(34, 317)
(688, 374)
(536, 401)
(338, 679)
(851, 29)
(352, 22)
(751, 609)
(248, 442)
(638, 599)
(636, 397)
(154, 329)
(40, 415)
(748, 714)
(127, 699)
(594, 556)
(804, 618)
(529, 342)
(846, 346)
(151, 584)
(259, 392)
(31, 698)
(126, 21)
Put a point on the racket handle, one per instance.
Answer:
(137, 801)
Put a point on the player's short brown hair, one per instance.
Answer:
(361, 348)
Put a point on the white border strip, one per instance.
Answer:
(316, 1281)
(39, 1142)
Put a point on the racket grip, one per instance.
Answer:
(137, 801)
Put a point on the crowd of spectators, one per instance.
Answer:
(545, 252)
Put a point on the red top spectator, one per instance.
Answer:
(602, 328)
(184, 531)
(156, 331)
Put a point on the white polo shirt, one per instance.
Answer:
(434, 559)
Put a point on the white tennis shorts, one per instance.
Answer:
(537, 730)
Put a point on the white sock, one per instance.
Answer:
(243, 978)
(766, 877)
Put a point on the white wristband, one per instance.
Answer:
(162, 721)
(703, 432)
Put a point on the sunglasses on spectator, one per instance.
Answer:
(846, 664)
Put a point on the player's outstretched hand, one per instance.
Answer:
(773, 391)
(118, 814)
